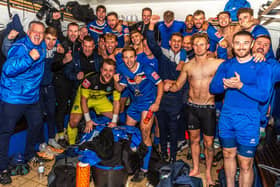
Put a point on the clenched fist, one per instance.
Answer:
(35, 55)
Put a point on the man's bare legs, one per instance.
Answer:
(230, 165)
(195, 149)
(246, 175)
(209, 154)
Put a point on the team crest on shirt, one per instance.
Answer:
(126, 30)
(86, 83)
(155, 75)
(96, 87)
(218, 34)
(109, 88)
(91, 61)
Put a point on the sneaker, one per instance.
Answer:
(5, 177)
(63, 143)
(20, 169)
(139, 176)
(45, 155)
(182, 145)
(43, 147)
(216, 143)
(164, 156)
(54, 150)
(54, 144)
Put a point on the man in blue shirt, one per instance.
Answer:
(190, 29)
(246, 85)
(96, 27)
(246, 22)
(168, 27)
(202, 26)
(19, 93)
(114, 27)
(146, 100)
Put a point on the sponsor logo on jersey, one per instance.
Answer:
(86, 83)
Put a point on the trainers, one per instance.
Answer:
(63, 143)
(216, 143)
(5, 177)
(54, 150)
(139, 176)
(45, 155)
(54, 144)
(43, 147)
(20, 169)
(182, 145)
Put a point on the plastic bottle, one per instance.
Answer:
(148, 117)
(41, 170)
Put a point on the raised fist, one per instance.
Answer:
(35, 55)
(154, 19)
(12, 34)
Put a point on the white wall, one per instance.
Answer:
(181, 9)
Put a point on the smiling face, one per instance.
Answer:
(136, 38)
(146, 16)
(242, 45)
(112, 21)
(224, 20)
(36, 33)
(245, 20)
(175, 43)
(107, 72)
(101, 14)
(198, 20)
(83, 33)
(261, 45)
(200, 46)
(129, 59)
(88, 47)
(110, 44)
(73, 32)
(189, 22)
(50, 41)
(187, 43)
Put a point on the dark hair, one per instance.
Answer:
(168, 16)
(51, 30)
(35, 22)
(177, 34)
(72, 24)
(245, 10)
(188, 16)
(147, 9)
(108, 61)
(200, 35)
(135, 31)
(88, 39)
(264, 36)
(109, 36)
(100, 7)
(128, 49)
(244, 33)
(112, 14)
(223, 12)
(198, 12)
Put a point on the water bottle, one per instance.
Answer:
(41, 170)
(148, 117)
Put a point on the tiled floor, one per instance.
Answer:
(32, 179)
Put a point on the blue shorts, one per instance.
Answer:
(135, 109)
(126, 93)
(241, 130)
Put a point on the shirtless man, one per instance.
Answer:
(227, 30)
(200, 110)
